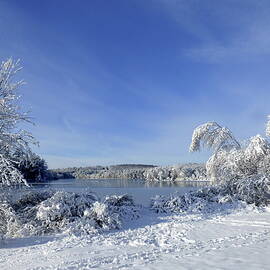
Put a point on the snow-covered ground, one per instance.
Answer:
(236, 240)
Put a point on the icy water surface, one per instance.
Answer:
(139, 189)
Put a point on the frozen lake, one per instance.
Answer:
(139, 189)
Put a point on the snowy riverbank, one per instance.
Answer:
(239, 239)
(217, 227)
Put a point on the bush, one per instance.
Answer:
(250, 190)
(44, 212)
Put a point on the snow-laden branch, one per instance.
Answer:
(213, 136)
(230, 160)
(9, 174)
(12, 139)
(249, 160)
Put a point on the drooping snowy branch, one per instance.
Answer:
(213, 136)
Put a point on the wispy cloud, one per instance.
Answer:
(131, 85)
(253, 47)
(223, 30)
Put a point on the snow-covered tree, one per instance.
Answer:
(221, 140)
(12, 138)
(32, 166)
(230, 160)
(184, 172)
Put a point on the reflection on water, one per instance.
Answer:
(140, 190)
(117, 183)
(177, 184)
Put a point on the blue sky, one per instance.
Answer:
(121, 81)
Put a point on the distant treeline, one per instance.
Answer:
(129, 171)
(190, 171)
(179, 172)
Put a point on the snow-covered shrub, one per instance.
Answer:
(202, 200)
(62, 208)
(250, 190)
(43, 212)
(8, 220)
(101, 216)
(109, 213)
(20, 211)
(123, 205)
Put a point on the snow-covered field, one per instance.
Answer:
(239, 239)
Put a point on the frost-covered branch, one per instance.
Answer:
(9, 174)
(230, 160)
(240, 163)
(213, 136)
(12, 139)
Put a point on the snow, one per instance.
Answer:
(239, 239)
